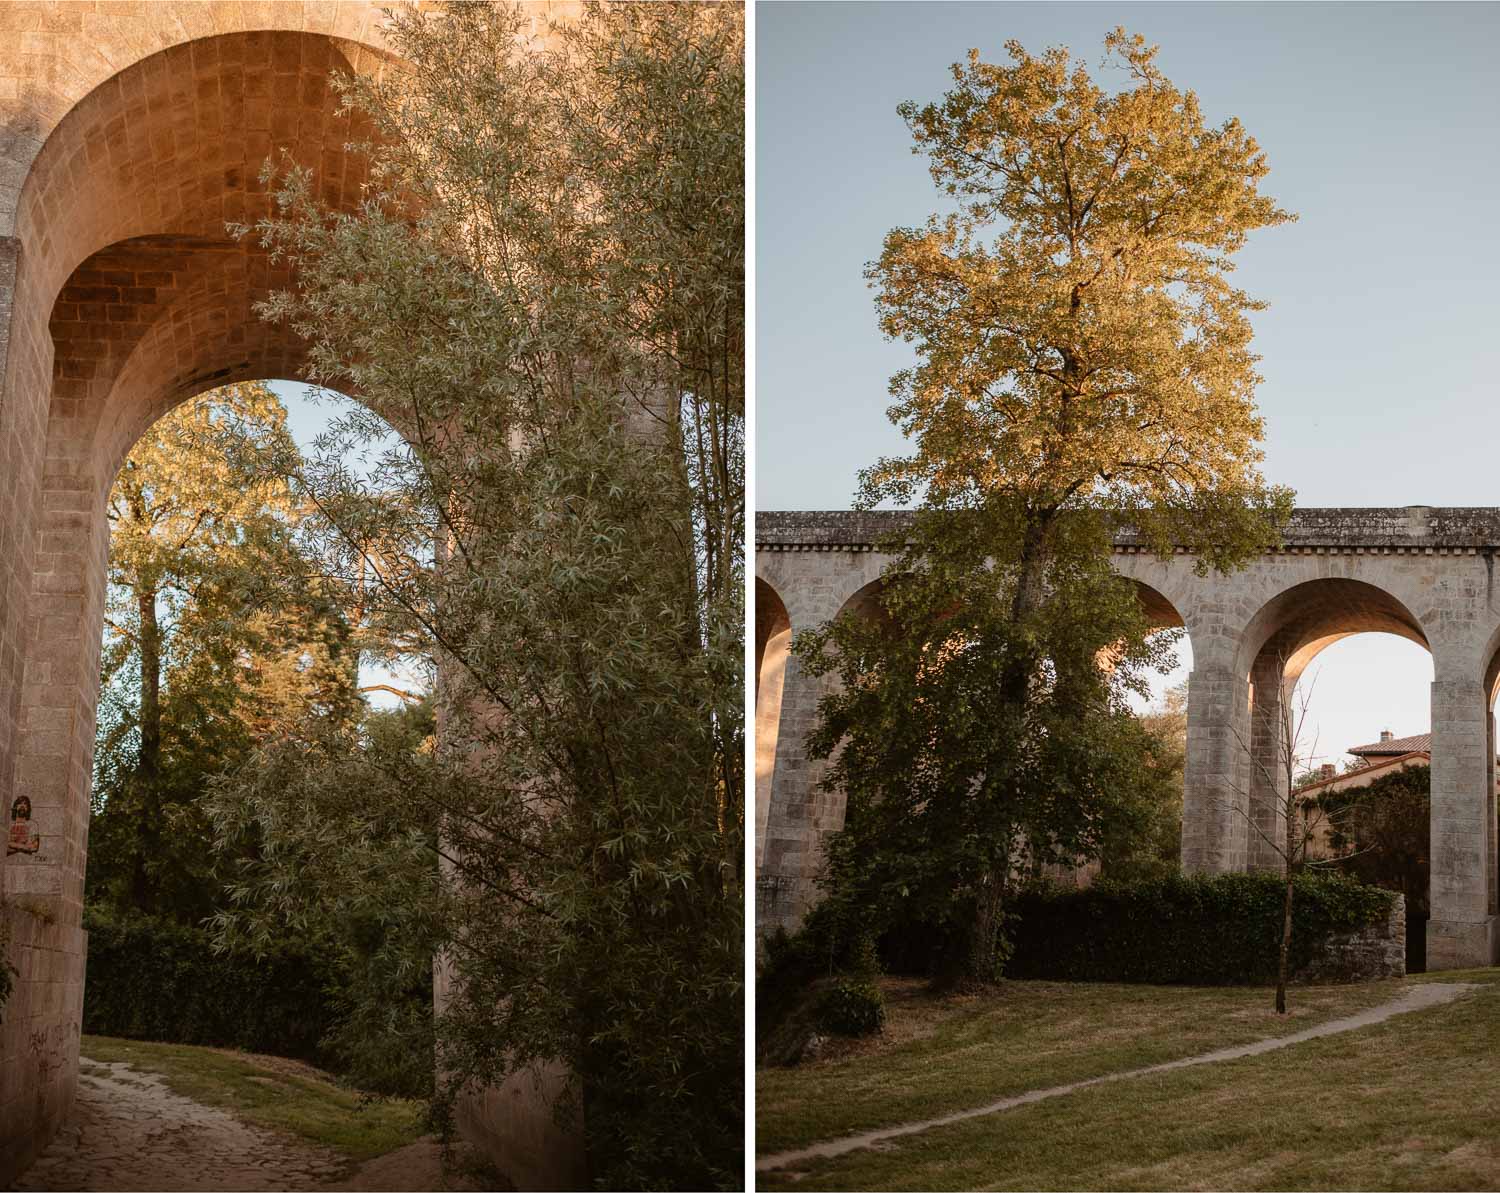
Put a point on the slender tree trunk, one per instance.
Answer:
(1286, 915)
(981, 961)
(148, 761)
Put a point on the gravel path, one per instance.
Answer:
(129, 1131)
(1416, 998)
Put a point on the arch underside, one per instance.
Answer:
(1295, 626)
(129, 296)
(149, 295)
(773, 641)
(134, 297)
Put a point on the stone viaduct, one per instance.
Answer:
(1427, 574)
(130, 134)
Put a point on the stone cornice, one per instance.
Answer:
(1413, 529)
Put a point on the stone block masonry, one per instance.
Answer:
(131, 134)
(39, 1030)
(1424, 573)
(1374, 952)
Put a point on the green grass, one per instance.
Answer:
(283, 1096)
(940, 1055)
(1412, 1103)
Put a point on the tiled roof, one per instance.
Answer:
(1359, 772)
(1419, 743)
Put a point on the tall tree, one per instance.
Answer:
(955, 794)
(216, 638)
(1083, 367)
(544, 293)
(1080, 346)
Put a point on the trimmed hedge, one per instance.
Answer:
(1203, 931)
(150, 979)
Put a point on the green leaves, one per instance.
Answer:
(1198, 930)
(219, 636)
(955, 784)
(543, 292)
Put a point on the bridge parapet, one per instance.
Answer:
(1396, 528)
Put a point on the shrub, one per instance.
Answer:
(152, 979)
(1193, 930)
(791, 962)
(798, 971)
(851, 1007)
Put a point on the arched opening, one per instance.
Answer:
(133, 298)
(228, 629)
(792, 814)
(773, 641)
(1167, 688)
(1340, 699)
(866, 602)
(146, 301)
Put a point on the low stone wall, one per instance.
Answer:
(39, 1031)
(1378, 951)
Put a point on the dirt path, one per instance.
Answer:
(1416, 998)
(128, 1131)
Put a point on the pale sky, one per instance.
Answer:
(308, 414)
(1379, 354)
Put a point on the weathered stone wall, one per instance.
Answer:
(1424, 573)
(1378, 951)
(131, 133)
(39, 1031)
(513, 1123)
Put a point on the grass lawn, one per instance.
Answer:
(939, 1055)
(283, 1095)
(1413, 1103)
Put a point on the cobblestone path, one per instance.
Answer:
(129, 1131)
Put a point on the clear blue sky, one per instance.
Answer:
(1380, 355)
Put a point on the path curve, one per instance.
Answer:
(1416, 998)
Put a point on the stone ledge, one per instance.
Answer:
(1422, 529)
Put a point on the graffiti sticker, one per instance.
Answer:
(23, 838)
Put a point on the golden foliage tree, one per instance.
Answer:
(1080, 344)
(1083, 365)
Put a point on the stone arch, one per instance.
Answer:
(773, 641)
(1162, 613)
(864, 601)
(145, 302)
(67, 53)
(135, 138)
(1301, 621)
(160, 149)
(1283, 637)
(130, 298)
(1159, 608)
